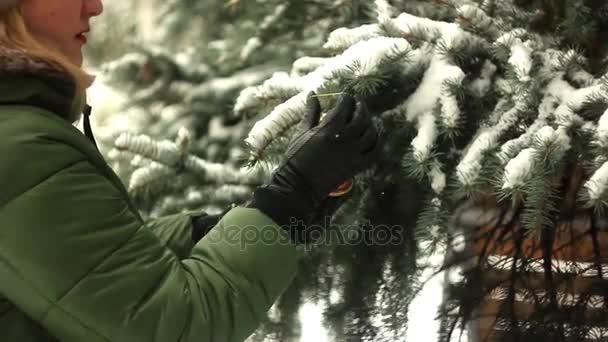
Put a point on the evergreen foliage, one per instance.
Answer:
(504, 100)
(474, 99)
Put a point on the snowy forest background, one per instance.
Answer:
(128, 35)
(195, 100)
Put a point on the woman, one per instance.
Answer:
(78, 263)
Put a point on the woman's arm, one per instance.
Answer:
(174, 231)
(77, 260)
(181, 231)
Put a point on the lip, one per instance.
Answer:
(81, 38)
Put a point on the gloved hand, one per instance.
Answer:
(318, 159)
(202, 224)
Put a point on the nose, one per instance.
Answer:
(92, 8)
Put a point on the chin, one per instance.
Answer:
(77, 60)
(74, 55)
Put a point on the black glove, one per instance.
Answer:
(317, 161)
(202, 224)
(319, 221)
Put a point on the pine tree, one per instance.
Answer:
(183, 80)
(474, 99)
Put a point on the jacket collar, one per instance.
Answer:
(26, 80)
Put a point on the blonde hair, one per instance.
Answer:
(15, 34)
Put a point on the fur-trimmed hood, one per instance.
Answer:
(15, 61)
(30, 81)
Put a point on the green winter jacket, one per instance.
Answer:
(78, 263)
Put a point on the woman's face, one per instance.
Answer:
(61, 24)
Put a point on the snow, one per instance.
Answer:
(589, 127)
(362, 44)
(478, 17)
(427, 133)
(570, 62)
(450, 33)
(368, 50)
(563, 138)
(166, 154)
(509, 149)
(342, 38)
(183, 140)
(150, 173)
(556, 92)
(469, 167)
(582, 77)
(596, 186)
(469, 11)
(459, 243)
(436, 201)
(220, 173)
(550, 62)
(422, 313)
(307, 64)
(384, 10)
(518, 169)
(508, 38)
(246, 100)
(521, 59)
(223, 85)
(310, 316)
(450, 112)
(482, 85)
(438, 178)
(565, 113)
(217, 129)
(279, 120)
(250, 47)
(559, 138)
(418, 58)
(279, 85)
(368, 54)
(105, 102)
(602, 129)
(334, 296)
(546, 134)
(279, 11)
(164, 151)
(425, 98)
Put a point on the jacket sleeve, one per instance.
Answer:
(174, 231)
(76, 259)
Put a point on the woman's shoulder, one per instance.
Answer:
(36, 144)
(25, 127)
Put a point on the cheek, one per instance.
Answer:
(48, 24)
